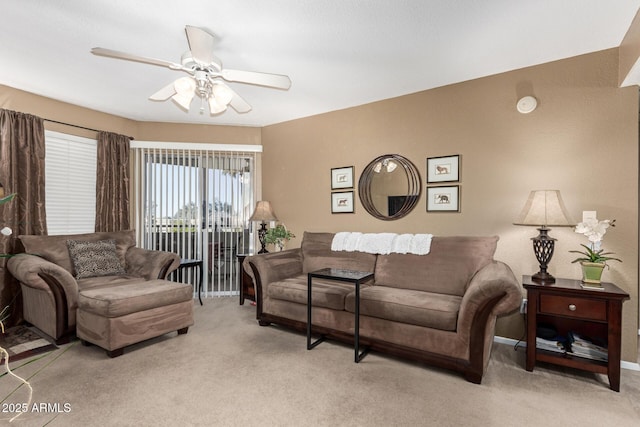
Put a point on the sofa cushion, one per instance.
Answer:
(93, 282)
(420, 308)
(54, 248)
(447, 269)
(317, 254)
(94, 259)
(325, 293)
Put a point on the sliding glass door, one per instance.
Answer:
(197, 203)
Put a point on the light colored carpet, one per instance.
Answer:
(229, 371)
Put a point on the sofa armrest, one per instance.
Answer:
(494, 282)
(150, 264)
(272, 267)
(493, 291)
(38, 273)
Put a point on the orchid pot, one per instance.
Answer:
(592, 271)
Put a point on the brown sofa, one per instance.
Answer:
(50, 289)
(438, 308)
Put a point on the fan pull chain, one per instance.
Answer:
(201, 105)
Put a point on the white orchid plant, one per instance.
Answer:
(595, 231)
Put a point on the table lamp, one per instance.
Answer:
(263, 213)
(544, 208)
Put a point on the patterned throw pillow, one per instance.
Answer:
(93, 259)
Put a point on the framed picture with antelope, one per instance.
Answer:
(443, 169)
(342, 177)
(443, 199)
(342, 202)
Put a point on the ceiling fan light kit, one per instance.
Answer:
(206, 76)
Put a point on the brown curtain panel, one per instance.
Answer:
(112, 182)
(22, 152)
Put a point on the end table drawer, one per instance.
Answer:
(583, 308)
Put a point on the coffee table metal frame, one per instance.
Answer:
(339, 275)
(191, 263)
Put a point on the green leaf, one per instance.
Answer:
(8, 198)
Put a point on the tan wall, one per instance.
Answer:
(25, 102)
(17, 100)
(582, 140)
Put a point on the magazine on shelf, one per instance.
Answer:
(550, 345)
(588, 356)
(584, 347)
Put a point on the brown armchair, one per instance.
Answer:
(48, 278)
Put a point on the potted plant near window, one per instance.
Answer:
(278, 235)
(594, 259)
(6, 231)
(4, 313)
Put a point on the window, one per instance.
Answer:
(196, 200)
(70, 183)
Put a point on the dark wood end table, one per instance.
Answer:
(568, 307)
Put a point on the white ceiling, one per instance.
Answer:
(338, 53)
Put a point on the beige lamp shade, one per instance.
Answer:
(263, 212)
(544, 208)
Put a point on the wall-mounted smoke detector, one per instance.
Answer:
(527, 104)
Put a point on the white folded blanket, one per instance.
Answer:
(420, 244)
(376, 243)
(402, 243)
(352, 241)
(339, 241)
(345, 241)
(382, 243)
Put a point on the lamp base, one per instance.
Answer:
(543, 277)
(261, 236)
(543, 246)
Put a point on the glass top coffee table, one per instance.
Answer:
(350, 276)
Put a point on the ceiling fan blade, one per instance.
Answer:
(129, 57)
(165, 93)
(201, 44)
(239, 104)
(278, 81)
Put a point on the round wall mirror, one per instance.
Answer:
(389, 187)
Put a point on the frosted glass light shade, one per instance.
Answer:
(222, 93)
(216, 107)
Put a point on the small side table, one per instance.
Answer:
(568, 307)
(351, 276)
(247, 288)
(197, 265)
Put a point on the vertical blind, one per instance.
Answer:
(196, 203)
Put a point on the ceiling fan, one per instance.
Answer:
(206, 76)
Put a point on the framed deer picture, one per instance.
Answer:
(443, 199)
(342, 202)
(443, 169)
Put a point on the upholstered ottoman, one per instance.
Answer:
(114, 317)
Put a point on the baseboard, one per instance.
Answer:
(509, 341)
